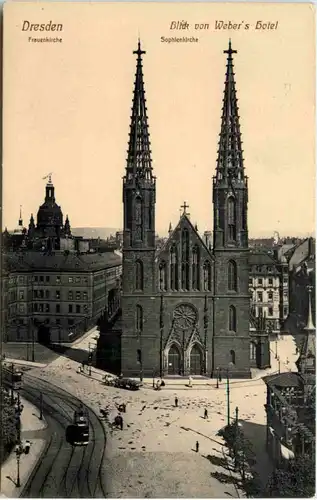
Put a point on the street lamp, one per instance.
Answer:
(217, 383)
(18, 451)
(228, 393)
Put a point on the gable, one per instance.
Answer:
(194, 240)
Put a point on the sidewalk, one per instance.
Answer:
(30, 424)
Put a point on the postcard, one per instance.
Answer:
(158, 250)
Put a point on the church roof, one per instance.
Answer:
(182, 223)
(37, 261)
(261, 258)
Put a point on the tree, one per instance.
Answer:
(296, 480)
(8, 424)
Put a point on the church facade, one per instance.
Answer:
(186, 307)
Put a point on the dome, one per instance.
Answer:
(49, 213)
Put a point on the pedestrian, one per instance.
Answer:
(220, 378)
(190, 382)
(197, 447)
(287, 361)
(176, 401)
(206, 413)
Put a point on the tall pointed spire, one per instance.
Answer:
(230, 160)
(139, 154)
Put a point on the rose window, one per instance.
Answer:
(184, 317)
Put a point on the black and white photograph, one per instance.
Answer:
(158, 250)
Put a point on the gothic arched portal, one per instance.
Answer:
(174, 360)
(196, 360)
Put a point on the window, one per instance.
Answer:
(70, 308)
(58, 308)
(207, 276)
(21, 280)
(58, 280)
(269, 269)
(231, 219)
(174, 268)
(270, 295)
(139, 356)
(77, 308)
(47, 294)
(185, 260)
(232, 275)
(285, 311)
(139, 275)
(250, 281)
(21, 295)
(260, 296)
(139, 319)
(285, 279)
(232, 357)
(21, 308)
(232, 319)
(70, 295)
(70, 322)
(47, 279)
(162, 276)
(270, 311)
(196, 268)
(260, 281)
(41, 278)
(252, 351)
(77, 279)
(77, 295)
(58, 321)
(58, 294)
(70, 280)
(260, 311)
(41, 308)
(85, 295)
(270, 281)
(36, 278)
(47, 321)
(285, 293)
(47, 308)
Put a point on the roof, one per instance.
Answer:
(37, 261)
(301, 252)
(183, 222)
(286, 379)
(261, 258)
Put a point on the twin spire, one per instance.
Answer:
(139, 164)
(230, 160)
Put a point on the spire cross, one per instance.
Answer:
(230, 51)
(184, 207)
(139, 52)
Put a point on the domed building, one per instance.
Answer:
(49, 230)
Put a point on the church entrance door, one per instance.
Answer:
(174, 361)
(196, 361)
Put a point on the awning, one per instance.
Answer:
(286, 453)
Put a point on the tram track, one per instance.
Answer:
(65, 471)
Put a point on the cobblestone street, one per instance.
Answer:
(153, 456)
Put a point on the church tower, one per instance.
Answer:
(138, 226)
(230, 245)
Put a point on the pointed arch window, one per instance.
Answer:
(232, 357)
(232, 276)
(139, 281)
(207, 276)
(162, 276)
(232, 223)
(138, 218)
(196, 268)
(232, 319)
(174, 267)
(139, 319)
(185, 259)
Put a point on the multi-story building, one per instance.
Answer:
(58, 297)
(290, 405)
(301, 274)
(264, 286)
(57, 285)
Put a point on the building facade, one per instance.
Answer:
(185, 306)
(55, 298)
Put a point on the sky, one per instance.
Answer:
(67, 110)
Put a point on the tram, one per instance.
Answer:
(77, 434)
